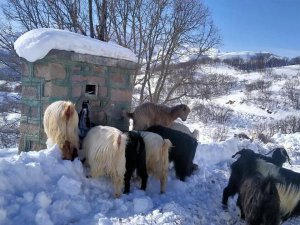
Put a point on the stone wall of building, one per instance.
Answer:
(63, 75)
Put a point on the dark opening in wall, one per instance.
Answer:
(91, 89)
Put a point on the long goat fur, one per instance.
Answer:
(149, 114)
(287, 184)
(259, 200)
(61, 127)
(157, 157)
(104, 150)
(241, 167)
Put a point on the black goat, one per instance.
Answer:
(287, 182)
(259, 200)
(241, 168)
(135, 154)
(182, 152)
(279, 157)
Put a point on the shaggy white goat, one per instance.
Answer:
(157, 157)
(183, 128)
(149, 114)
(104, 150)
(61, 127)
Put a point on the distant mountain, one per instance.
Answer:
(245, 55)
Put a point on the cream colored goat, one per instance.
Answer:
(183, 128)
(104, 150)
(61, 126)
(157, 157)
(149, 114)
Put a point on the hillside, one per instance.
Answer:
(40, 188)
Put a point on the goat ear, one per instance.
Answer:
(69, 111)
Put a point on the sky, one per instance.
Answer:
(258, 25)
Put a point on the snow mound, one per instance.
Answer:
(142, 205)
(36, 44)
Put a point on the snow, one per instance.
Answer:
(35, 45)
(41, 188)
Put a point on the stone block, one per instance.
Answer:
(99, 69)
(34, 112)
(76, 90)
(30, 91)
(29, 129)
(103, 92)
(25, 69)
(50, 71)
(78, 79)
(119, 95)
(95, 80)
(25, 109)
(36, 146)
(118, 79)
(95, 104)
(53, 90)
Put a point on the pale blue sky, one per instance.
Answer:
(258, 25)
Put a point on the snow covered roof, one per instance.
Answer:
(36, 44)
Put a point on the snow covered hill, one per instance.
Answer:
(40, 188)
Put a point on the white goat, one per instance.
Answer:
(183, 128)
(157, 157)
(61, 127)
(104, 150)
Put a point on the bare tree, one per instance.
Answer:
(92, 33)
(160, 32)
(292, 89)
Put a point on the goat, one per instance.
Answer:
(157, 157)
(183, 128)
(60, 125)
(182, 152)
(149, 114)
(259, 200)
(287, 182)
(279, 157)
(135, 159)
(84, 119)
(239, 167)
(104, 150)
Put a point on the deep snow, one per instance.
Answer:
(36, 44)
(40, 188)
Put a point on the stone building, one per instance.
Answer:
(66, 75)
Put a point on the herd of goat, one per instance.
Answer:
(267, 193)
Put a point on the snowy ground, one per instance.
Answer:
(40, 188)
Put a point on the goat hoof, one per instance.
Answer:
(195, 167)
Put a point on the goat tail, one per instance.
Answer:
(120, 142)
(68, 110)
(165, 151)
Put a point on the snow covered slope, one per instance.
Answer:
(40, 188)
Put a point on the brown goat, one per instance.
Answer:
(149, 114)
